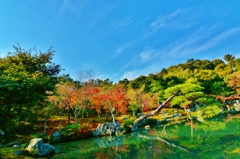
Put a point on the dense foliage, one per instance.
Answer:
(30, 87)
(26, 79)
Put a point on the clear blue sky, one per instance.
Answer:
(122, 38)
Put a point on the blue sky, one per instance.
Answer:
(122, 39)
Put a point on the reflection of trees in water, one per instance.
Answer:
(209, 139)
(150, 149)
(210, 126)
(111, 143)
(136, 147)
(212, 139)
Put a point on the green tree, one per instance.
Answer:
(223, 70)
(124, 82)
(207, 78)
(134, 97)
(230, 60)
(172, 81)
(221, 88)
(217, 62)
(26, 79)
(164, 71)
(234, 81)
(138, 82)
(105, 82)
(237, 64)
(189, 95)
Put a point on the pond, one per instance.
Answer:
(211, 139)
(218, 138)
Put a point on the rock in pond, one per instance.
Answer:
(56, 137)
(134, 127)
(147, 127)
(13, 144)
(37, 148)
(107, 129)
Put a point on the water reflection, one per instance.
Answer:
(109, 141)
(211, 139)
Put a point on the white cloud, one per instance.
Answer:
(178, 19)
(71, 6)
(130, 75)
(100, 15)
(201, 40)
(158, 61)
(151, 68)
(95, 21)
(123, 47)
(163, 21)
(146, 55)
(152, 58)
(124, 22)
(237, 55)
(216, 40)
(198, 42)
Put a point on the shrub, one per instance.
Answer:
(70, 130)
(86, 126)
(151, 121)
(44, 136)
(128, 122)
(23, 127)
(210, 111)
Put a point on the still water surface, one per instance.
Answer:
(215, 139)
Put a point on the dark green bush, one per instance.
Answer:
(70, 130)
(128, 122)
(151, 121)
(23, 127)
(44, 136)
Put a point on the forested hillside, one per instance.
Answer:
(31, 88)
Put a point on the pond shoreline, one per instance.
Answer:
(168, 121)
(178, 137)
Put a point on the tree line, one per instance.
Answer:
(31, 86)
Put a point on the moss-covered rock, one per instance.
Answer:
(37, 148)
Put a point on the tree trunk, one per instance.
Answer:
(113, 117)
(87, 112)
(76, 118)
(191, 129)
(134, 114)
(106, 116)
(68, 116)
(98, 115)
(60, 121)
(156, 110)
(45, 125)
(82, 113)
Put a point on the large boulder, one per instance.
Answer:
(37, 148)
(107, 129)
(237, 105)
